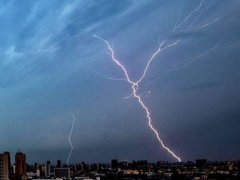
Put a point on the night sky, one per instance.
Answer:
(52, 67)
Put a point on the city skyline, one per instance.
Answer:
(62, 95)
(117, 170)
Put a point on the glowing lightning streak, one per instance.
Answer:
(210, 23)
(134, 86)
(188, 16)
(69, 139)
(187, 64)
(145, 94)
(107, 77)
(115, 60)
(153, 56)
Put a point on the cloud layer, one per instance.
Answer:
(52, 67)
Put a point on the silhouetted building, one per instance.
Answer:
(9, 163)
(114, 164)
(59, 163)
(4, 166)
(62, 172)
(201, 163)
(41, 170)
(21, 166)
(123, 164)
(142, 165)
(94, 167)
(48, 169)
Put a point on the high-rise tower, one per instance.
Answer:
(4, 166)
(21, 166)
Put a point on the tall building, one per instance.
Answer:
(201, 163)
(62, 173)
(48, 169)
(114, 164)
(4, 166)
(59, 163)
(42, 170)
(9, 163)
(123, 164)
(21, 166)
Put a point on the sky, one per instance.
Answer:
(53, 68)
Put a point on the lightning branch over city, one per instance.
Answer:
(135, 85)
(69, 138)
(176, 27)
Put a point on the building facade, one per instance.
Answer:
(4, 166)
(21, 166)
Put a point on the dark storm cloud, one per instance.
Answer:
(50, 67)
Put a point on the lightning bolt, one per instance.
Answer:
(191, 61)
(135, 85)
(210, 23)
(69, 138)
(145, 94)
(191, 13)
(188, 16)
(106, 76)
(153, 57)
